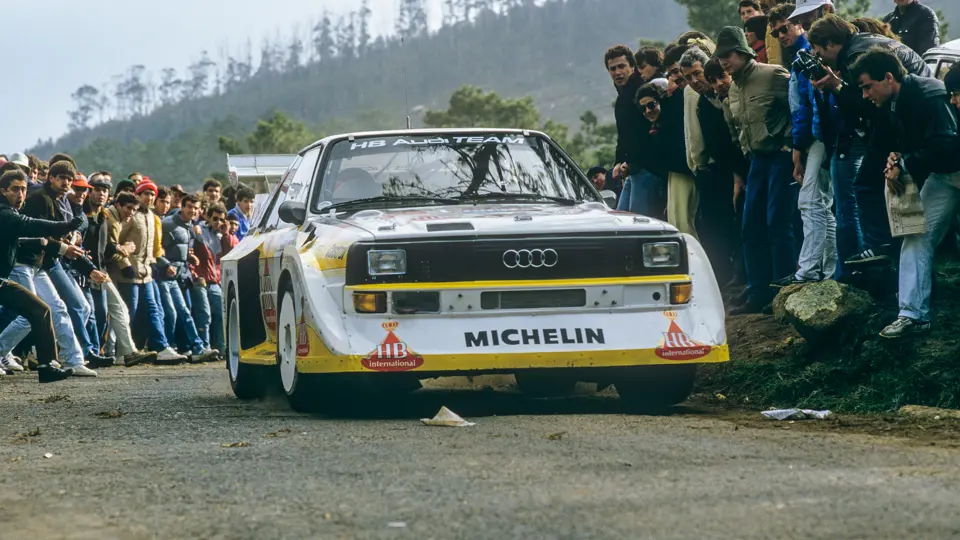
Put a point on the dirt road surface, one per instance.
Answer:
(170, 453)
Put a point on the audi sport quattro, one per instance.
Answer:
(381, 259)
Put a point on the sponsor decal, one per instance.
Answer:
(382, 143)
(534, 336)
(303, 339)
(675, 344)
(392, 354)
(267, 297)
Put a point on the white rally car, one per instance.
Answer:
(384, 258)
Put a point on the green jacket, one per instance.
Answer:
(760, 108)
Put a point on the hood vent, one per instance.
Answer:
(444, 227)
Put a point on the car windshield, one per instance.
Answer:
(449, 169)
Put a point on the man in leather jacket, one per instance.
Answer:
(839, 44)
(15, 297)
(916, 24)
(927, 147)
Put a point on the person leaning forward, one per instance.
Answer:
(13, 226)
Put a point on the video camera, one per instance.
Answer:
(810, 65)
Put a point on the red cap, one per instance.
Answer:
(147, 185)
(80, 181)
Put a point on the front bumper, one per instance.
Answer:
(472, 345)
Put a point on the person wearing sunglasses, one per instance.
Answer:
(818, 255)
(212, 244)
(666, 141)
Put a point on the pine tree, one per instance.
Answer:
(323, 38)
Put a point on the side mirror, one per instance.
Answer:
(293, 212)
(609, 197)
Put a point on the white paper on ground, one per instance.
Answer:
(446, 418)
(796, 414)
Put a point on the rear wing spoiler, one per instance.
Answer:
(260, 172)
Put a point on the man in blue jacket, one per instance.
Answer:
(818, 256)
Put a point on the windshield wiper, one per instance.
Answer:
(393, 199)
(533, 197)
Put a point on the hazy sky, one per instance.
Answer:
(66, 43)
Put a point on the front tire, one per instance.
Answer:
(302, 389)
(247, 381)
(653, 389)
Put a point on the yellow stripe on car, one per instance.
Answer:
(519, 284)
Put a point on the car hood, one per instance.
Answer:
(485, 219)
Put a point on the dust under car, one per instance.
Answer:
(381, 259)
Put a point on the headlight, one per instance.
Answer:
(387, 262)
(661, 255)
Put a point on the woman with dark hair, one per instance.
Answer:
(667, 145)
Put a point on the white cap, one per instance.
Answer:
(806, 6)
(20, 159)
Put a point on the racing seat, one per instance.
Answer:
(355, 183)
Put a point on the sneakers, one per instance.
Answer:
(95, 361)
(139, 357)
(82, 371)
(170, 356)
(10, 363)
(790, 280)
(206, 355)
(904, 326)
(881, 253)
(50, 374)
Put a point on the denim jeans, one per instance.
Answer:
(208, 309)
(768, 216)
(941, 198)
(100, 311)
(39, 283)
(80, 311)
(818, 257)
(844, 167)
(640, 194)
(94, 297)
(175, 311)
(145, 296)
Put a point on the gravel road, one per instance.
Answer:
(144, 453)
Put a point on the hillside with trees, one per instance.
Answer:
(176, 125)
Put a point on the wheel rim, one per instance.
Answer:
(287, 341)
(233, 339)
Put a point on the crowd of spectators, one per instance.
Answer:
(778, 143)
(95, 273)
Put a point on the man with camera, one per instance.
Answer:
(818, 256)
(927, 147)
(839, 44)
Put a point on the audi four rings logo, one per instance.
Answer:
(530, 258)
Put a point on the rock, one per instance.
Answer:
(779, 303)
(918, 411)
(827, 311)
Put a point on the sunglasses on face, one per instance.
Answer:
(650, 105)
(779, 30)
